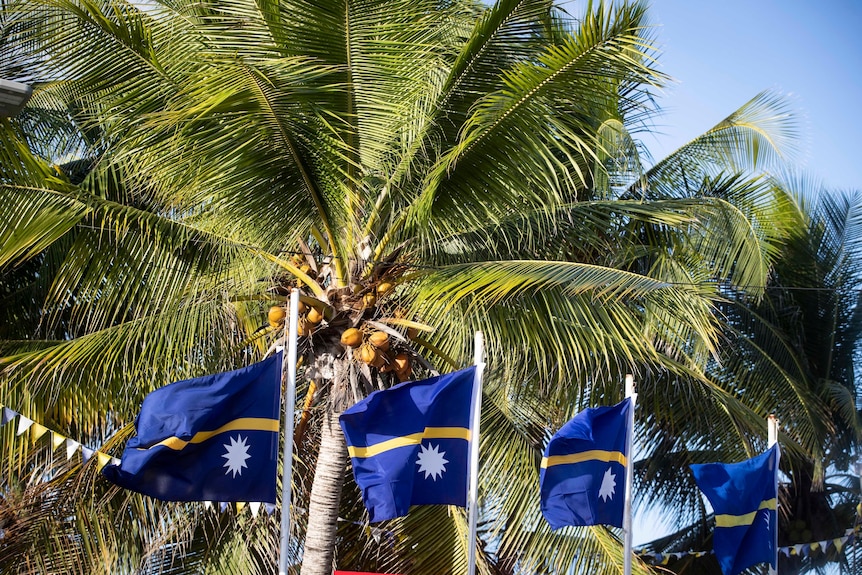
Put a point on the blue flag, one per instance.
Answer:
(211, 438)
(582, 477)
(744, 498)
(409, 444)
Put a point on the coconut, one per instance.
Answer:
(276, 315)
(401, 362)
(368, 353)
(351, 337)
(314, 316)
(404, 374)
(304, 327)
(369, 300)
(380, 340)
(384, 288)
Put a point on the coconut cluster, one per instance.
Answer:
(352, 315)
(308, 321)
(374, 348)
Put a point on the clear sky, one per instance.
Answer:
(721, 53)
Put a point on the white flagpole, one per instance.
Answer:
(627, 504)
(473, 476)
(772, 439)
(287, 459)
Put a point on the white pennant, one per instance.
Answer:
(87, 453)
(71, 447)
(24, 424)
(255, 508)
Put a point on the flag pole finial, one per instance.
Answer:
(772, 430)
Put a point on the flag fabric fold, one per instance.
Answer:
(409, 444)
(211, 438)
(744, 498)
(582, 475)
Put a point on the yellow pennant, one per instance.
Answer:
(103, 460)
(37, 431)
(57, 439)
(839, 543)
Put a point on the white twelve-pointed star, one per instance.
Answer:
(431, 462)
(609, 485)
(236, 454)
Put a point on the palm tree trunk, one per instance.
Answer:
(325, 499)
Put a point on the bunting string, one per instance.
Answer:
(37, 431)
(804, 550)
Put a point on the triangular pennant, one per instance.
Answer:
(57, 439)
(71, 447)
(208, 504)
(240, 506)
(115, 461)
(103, 460)
(38, 431)
(87, 453)
(269, 508)
(6, 415)
(786, 550)
(255, 508)
(839, 543)
(815, 546)
(222, 506)
(24, 424)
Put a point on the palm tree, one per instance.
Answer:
(420, 170)
(804, 334)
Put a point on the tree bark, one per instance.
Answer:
(325, 499)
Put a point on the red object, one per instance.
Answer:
(358, 573)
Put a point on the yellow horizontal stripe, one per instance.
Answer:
(743, 520)
(241, 424)
(412, 439)
(593, 455)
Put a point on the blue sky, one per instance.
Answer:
(721, 53)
